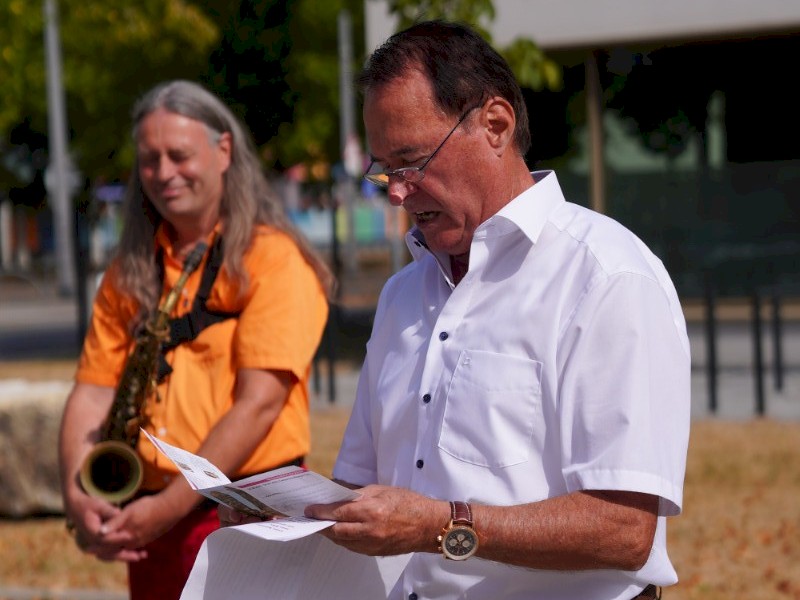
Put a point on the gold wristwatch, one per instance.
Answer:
(458, 540)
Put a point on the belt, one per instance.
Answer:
(651, 592)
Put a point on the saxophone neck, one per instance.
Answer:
(158, 324)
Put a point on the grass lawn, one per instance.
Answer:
(738, 538)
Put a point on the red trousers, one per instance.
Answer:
(162, 575)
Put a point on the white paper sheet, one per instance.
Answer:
(240, 562)
(280, 559)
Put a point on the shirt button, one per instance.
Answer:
(162, 431)
(420, 463)
(426, 398)
(443, 336)
(412, 596)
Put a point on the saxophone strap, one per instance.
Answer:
(189, 326)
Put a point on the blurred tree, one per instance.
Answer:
(313, 75)
(112, 51)
(248, 68)
(477, 13)
(663, 95)
(277, 66)
(533, 69)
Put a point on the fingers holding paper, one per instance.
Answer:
(229, 517)
(384, 521)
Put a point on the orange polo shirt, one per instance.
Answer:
(282, 315)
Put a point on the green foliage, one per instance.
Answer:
(533, 69)
(248, 68)
(274, 61)
(663, 96)
(474, 12)
(312, 136)
(277, 65)
(21, 63)
(112, 51)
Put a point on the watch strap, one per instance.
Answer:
(460, 513)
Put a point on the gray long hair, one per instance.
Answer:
(247, 199)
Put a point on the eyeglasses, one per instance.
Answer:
(381, 178)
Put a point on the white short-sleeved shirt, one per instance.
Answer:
(559, 363)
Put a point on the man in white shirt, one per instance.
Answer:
(522, 417)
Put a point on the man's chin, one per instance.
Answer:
(174, 207)
(451, 247)
(441, 238)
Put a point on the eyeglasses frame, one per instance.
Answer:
(412, 174)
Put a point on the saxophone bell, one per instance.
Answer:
(112, 471)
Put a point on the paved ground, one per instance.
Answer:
(18, 593)
(35, 323)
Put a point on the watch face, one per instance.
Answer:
(459, 543)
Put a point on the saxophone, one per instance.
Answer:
(113, 470)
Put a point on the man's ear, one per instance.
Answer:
(499, 120)
(224, 148)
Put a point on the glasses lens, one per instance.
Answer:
(379, 179)
(412, 174)
(376, 175)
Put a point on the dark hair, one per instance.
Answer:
(462, 67)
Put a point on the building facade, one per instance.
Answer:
(677, 119)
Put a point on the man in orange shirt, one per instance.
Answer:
(233, 382)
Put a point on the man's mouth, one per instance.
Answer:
(425, 216)
(171, 193)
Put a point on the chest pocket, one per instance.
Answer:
(493, 403)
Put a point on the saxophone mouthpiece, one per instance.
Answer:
(195, 256)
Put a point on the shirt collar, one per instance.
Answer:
(163, 242)
(527, 213)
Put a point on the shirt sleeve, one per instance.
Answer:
(624, 398)
(282, 322)
(108, 341)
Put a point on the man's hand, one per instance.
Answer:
(384, 521)
(229, 517)
(138, 524)
(88, 523)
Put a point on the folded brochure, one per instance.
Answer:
(283, 492)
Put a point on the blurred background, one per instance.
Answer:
(676, 118)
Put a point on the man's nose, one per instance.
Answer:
(398, 189)
(166, 168)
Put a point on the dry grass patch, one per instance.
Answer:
(38, 370)
(739, 536)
